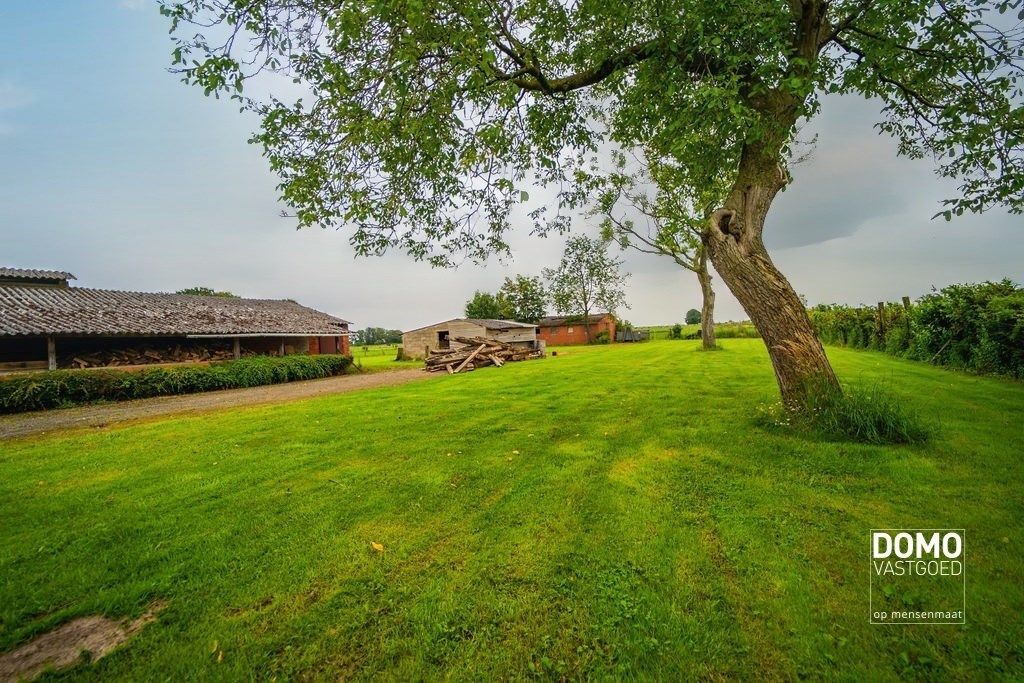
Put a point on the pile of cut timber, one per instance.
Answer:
(477, 353)
(145, 356)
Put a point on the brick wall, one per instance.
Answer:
(576, 333)
(332, 344)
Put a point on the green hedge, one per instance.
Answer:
(59, 388)
(727, 331)
(978, 327)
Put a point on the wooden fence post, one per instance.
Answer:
(906, 318)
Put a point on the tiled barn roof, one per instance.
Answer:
(487, 323)
(32, 310)
(34, 274)
(557, 321)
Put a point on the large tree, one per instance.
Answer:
(587, 279)
(523, 298)
(424, 121)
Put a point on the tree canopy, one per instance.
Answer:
(523, 298)
(587, 280)
(484, 305)
(424, 123)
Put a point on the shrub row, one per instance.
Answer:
(59, 388)
(977, 327)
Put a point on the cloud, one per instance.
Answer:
(852, 177)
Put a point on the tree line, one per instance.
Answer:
(371, 336)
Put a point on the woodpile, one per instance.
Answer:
(146, 356)
(478, 352)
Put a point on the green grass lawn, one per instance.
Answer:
(609, 513)
(381, 358)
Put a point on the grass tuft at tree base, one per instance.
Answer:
(864, 413)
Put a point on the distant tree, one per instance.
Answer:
(483, 305)
(206, 291)
(651, 207)
(587, 280)
(522, 298)
(692, 316)
(372, 336)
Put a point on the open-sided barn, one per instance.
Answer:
(416, 343)
(46, 323)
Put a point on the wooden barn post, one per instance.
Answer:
(51, 353)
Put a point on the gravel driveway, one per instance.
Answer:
(102, 415)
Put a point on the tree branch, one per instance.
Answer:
(537, 81)
(913, 96)
(847, 22)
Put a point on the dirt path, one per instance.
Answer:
(25, 424)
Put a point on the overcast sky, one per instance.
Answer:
(112, 169)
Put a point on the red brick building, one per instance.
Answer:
(568, 330)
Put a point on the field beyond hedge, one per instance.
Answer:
(612, 512)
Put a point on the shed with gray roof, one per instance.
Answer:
(417, 343)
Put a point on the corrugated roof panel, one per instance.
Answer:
(34, 274)
(27, 310)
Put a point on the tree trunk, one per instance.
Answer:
(736, 249)
(707, 307)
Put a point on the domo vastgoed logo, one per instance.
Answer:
(917, 576)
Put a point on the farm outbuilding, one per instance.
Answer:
(440, 336)
(568, 330)
(46, 323)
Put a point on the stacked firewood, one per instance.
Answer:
(146, 355)
(477, 353)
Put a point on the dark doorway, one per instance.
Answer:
(442, 339)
